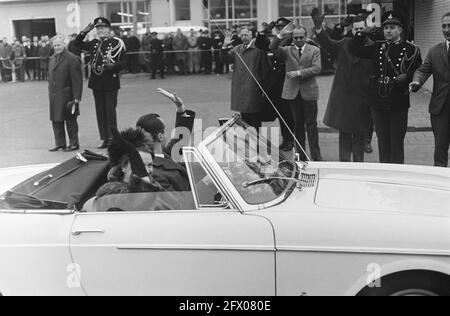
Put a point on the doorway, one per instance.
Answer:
(36, 27)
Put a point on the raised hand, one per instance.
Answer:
(174, 98)
(287, 30)
(88, 28)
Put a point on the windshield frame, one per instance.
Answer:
(226, 181)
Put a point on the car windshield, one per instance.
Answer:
(259, 172)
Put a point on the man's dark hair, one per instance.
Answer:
(131, 135)
(446, 15)
(152, 124)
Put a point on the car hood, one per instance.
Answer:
(384, 188)
(10, 177)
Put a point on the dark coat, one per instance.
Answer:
(170, 175)
(44, 53)
(246, 94)
(65, 80)
(436, 64)
(107, 80)
(348, 106)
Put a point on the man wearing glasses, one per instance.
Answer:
(438, 64)
(303, 64)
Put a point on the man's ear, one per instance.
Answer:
(160, 137)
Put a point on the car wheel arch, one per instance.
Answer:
(426, 280)
(399, 267)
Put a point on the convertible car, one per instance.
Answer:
(253, 224)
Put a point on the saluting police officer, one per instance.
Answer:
(394, 62)
(107, 58)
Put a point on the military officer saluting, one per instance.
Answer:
(394, 61)
(107, 60)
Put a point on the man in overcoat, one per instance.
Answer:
(348, 108)
(65, 79)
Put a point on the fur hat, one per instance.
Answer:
(131, 135)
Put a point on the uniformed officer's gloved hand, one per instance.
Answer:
(347, 21)
(374, 33)
(88, 28)
(137, 165)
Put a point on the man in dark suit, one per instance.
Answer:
(107, 58)
(167, 170)
(157, 55)
(348, 108)
(303, 64)
(437, 64)
(65, 91)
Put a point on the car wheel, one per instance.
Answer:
(412, 283)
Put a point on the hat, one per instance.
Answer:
(391, 18)
(98, 22)
(283, 22)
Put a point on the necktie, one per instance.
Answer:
(300, 53)
(448, 53)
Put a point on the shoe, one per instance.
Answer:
(71, 148)
(368, 148)
(104, 145)
(57, 148)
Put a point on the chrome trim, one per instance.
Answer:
(43, 212)
(79, 232)
(197, 248)
(380, 251)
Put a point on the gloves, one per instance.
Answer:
(88, 28)
(137, 165)
(347, 21)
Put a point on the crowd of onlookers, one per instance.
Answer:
(25, 59)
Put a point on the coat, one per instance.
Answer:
(180, 43)
(44, 54)
(436, 64)
(310, 66)
(65, 80)
(348, 106)
(246, 94)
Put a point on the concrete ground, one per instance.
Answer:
(26, 133)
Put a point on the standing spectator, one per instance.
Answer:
(65, 91)
(218, 41)
(251, 66)
(18, 54)
(205, 45)
(169, 56)
(157, 55)
(348, 108)
(193, 58)
(394, 62)
(437, 64)
(44, 55)
(303, 64)
(6, 64)
(28, 64)
(146, 54)
(134, 45)
(35, 47)
(107, 60)
(225, 53)
(181, 46)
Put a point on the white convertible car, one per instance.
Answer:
(249, 227)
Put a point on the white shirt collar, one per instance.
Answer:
(302, 49)
(159, 155)
(448, 44)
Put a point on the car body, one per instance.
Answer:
(314, 229)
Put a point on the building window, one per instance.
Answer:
(182, 10)
(226, 13)
(122, 14)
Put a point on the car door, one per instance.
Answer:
(213, 250)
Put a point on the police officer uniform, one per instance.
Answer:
(394, 65)
(107, 59)
(157, 55)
